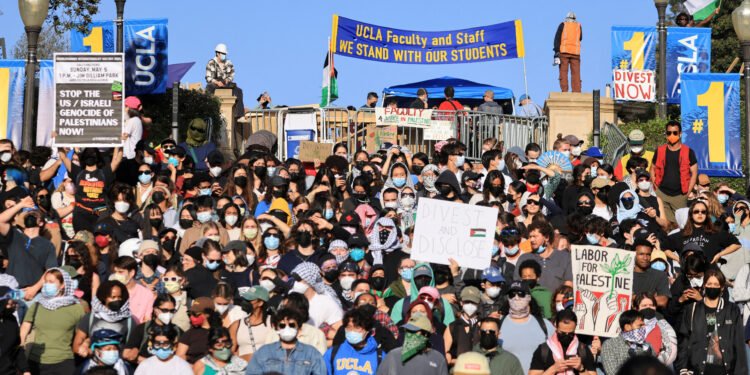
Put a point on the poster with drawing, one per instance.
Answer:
(603, 288)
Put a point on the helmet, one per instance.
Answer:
(221, 47)
(103, 337)
(129, 247)
(571, 16)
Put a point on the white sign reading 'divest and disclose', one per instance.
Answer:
(603, 288)
(89, 104)
(446, 230)
(639, 86)
(404, 117)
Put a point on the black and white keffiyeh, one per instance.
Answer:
(68, 298)
(378, 244)
(310, 273)
(103, 312)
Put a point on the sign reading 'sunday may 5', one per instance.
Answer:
(145, 43)
(371, 42)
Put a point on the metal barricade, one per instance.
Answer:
(363, 119)
(334, 126)
(474, 127)
(614, 143)
(262, 119)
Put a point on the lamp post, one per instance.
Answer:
(661, 7)
(120, 10)
(33, 14)
(741, 22)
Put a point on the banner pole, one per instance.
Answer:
(330, 62)
(525, 80)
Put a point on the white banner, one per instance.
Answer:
(446, 230)
(637, 86)
(439, 130)
(403, 117)
(603, 288)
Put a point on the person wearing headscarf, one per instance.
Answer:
(407, 209)
(383, 240)
(628, 206)
(422, 276)
(325, 307)
(399, 177)
(429, 174)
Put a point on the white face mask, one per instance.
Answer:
(559, 306)
(267, 285)
(165, 318)
(697, 282)
(215, 171)
(566, 153)
(346, 282)
(644, 185)
(493, 292)
(5, 157)
(250, 259)
(636, 149)
(122, 207)
(299, 287)
(576, 151)
(288, 334)
(231, 219)
(392, 204)
(148, 160)
(469, 308)
(221, 309)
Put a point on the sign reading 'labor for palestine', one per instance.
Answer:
(89, 104)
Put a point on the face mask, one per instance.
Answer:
(267, 285)
(417, 169)
(566, 153)
(270, 171)
(331, 275)
(636, 336)
(592, 238)
(5, 157)
(122, 207)
(250, 233)
(121, 278)
(299, 287)
(186, 223)
(271, 242)
(628, 204)
(723, 198)
(593, 171)
(212, 265)
(644, 185)
(288, 334)
(377, 282)
(148, 160)
(732, 227)
(519, 307)
(204, 192)
(173, 160)
(250, 259)
(565, 338)
(493, 291)
(165, 318)
(221, 309)
(659, 266)
(712, 293)
(392, 204)
(406, 274)
(304, 238)
(696, 282)
(355, 338)
(50, 290)
(328, 214)
(162, 353)
(469, 308)
(204, 217)
(648, 314)
(357, 254)
(115, 305)
(155, 223)
(576, 151)
(240, 181)
(215, 171)
(346, 282)
(172, 286)
(460, 160)
(247, 307)
(636, 149)
(407, 202)
(231, 220)
(559, 306)
(672, 139)
(495, 250)
(223, 354)
(197, 321)
(487, 340)
(109, 357)
(511, 251)
(540, 249)
(144, 179)
(214, 238)
(399, 182)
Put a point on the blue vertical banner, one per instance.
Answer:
(688, 51)
(634, 63)
(12, 78)
(146, 46)
(710, 106)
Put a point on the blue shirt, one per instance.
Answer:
(272, 358)
(349, 361)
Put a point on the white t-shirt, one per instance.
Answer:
(324, 309)
(154, 365)
(134, 128)
(602, 212)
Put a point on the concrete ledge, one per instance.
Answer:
(573, 113)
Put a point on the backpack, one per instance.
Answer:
(127, 336)
(539, 320)
(335, 350)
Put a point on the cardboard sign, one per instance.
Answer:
(439, 130)
(602, 286)
(446, 230)
(309, 151)
(638, 86)
(403, 117)
(377, 135)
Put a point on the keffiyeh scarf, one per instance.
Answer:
(103, 312)
(378, 244)
(310, 273)
(68, 298)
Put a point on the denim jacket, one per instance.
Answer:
(272, 358)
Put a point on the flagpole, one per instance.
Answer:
(525, 80)
(330, 62)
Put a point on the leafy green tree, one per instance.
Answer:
(72, 14)
(192, 104)
(49, 43)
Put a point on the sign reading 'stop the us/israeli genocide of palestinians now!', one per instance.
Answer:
(378, 43)
(449, 230)
(403, 117)
(602, 286)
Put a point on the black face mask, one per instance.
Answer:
(487, 340)
(186, 223)
(260, 172)
(441, 277)
(648, 313)
(377, 282)
(417, 169)
(627, 204)
(360, 164)
(530, 283)
(90, 161)
(565, 338)
(168, 245)
(279, 193)
(713, 293)
(241, 181)
(584, 210)
(303, 238)
(421, 282)
(495, 190)
(361, 197)
(247, 307)
(368, 309)
(587, 181)
(74, 262)
(44, 202)
(151, 260)
(445, 190)
(331, 276)
(115, 305)
(158, 197)
(155, 223)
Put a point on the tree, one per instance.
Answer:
(192, 104)
(49, 43)
(72, 14)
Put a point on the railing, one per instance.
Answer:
(614, 143)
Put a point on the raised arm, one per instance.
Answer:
(116, 158)
(64, 158)
(7, 215)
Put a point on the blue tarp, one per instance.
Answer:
(464, 89)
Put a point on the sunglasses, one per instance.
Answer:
(532, 202)
(626, 200)
(699, 212)
(740, 208)
(509, 232)
(290, 325)
(165, 148)
(488, 331)
(144, 173)
(672, 132)
(162, 344)
(408, 195)
(516, 293)
(222, 344)
(169, 311)
(198, 130)
(426, 298)
(584, 203)
(171, 278)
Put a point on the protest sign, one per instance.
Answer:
(309, 151)
(377, 135)
(371, 42)
(403, 117)
(439, 130)
(602, 286)
(89, 104)
(710, 107)
(688, 51)
(449, 230)
(145, 43)
(634, 63)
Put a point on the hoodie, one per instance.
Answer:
(389, 182)
(349, 361)
(398, 313)
(448, 177)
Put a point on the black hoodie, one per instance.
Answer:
(448, 177)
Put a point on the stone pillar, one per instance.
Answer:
(226, 143)
(573, 113)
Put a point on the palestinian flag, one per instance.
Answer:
(330, 90)
(477, 233)
(701, 9)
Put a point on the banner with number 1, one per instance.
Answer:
(710, 106)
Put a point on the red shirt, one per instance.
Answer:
(447, 106)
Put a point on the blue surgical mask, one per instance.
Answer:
(592, 238)
(540, 249)
(144, 178)
(399, 181)
(460, 160)
(270, 171)
(732, 227)
(328, 213)
(212, 265)
(723, 198)
(495, 249)
(593, 171)
(109, 357)
(271, 242)
(406, 273)
(354, 338)
(511, 251)
(205, 192)
(162, 353)
(173, 160)
(357, 254)
(204, 217)
(659, 266)
(49, 290)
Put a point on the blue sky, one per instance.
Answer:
(279, 45)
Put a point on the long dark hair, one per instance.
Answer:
(707, 225)
(147, 228)
(491, 176)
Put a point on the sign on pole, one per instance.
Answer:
(403, 117)
(89, 106)
(603, 288)
(448, 230)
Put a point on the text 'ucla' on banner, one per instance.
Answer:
(371, 42)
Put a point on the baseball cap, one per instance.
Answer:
(598, 183)
(357, 240)
(572, 140)
(349, 219)
(493, 275)
(277, 181)
(519, 286)
(133, 102)
(470, 294)
(642, 173)
(636, 137)
(594, 152)
(234, 245)
(195, 252)
(418, 323)
(177, 150)
(421, 271)
(103, 228)
(430, 291)
(470, 175)
(349, 266)
(252, 293)
(149, 244)
(471, 363)
(692, 246)
(202, 304)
